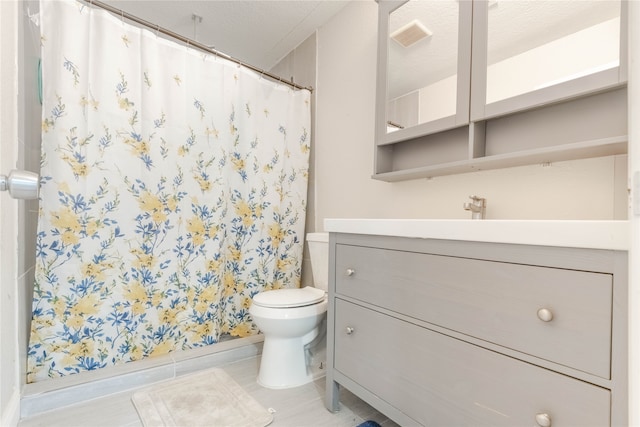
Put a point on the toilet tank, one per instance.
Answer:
(319, 253)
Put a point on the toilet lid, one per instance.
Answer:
(283, 298)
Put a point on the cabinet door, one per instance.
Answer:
(424, 68)
(441, 381)
(531, 53)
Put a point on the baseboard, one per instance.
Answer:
(74, 389)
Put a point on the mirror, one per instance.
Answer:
(424, 50)
(536, 44)
(422, 62)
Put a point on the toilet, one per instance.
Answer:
(290, 320)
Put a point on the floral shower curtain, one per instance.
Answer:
(173, 189)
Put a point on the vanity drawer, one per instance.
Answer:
(440, 381)
(494, 301)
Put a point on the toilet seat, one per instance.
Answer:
(289, 298)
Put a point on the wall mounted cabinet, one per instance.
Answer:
(509, 97)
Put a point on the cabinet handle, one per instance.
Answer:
(349, 330)
(543, 420)
(350, 272)
(545, 315)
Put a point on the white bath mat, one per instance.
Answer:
(208, 398)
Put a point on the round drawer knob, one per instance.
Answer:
(349, 330)
(545, 315)
(350, 272)
(543, 420)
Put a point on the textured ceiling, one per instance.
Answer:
(258, 32)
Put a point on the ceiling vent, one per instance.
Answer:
(410, 33)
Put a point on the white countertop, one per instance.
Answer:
(575, 234)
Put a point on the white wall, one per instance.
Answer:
(9, 366)
(344, 146)
(634, 214)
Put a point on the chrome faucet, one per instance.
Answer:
(477, 207)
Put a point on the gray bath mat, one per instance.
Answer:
(208, 398)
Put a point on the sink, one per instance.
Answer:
(612, 235)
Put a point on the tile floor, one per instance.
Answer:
(297, 407)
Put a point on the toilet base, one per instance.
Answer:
(283, 363)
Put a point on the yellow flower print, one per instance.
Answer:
(229, 282)
(136, 353)
(64, 187)
(46, 125)
(202, 330)
(92, 228)
(197, 239)
(211, 132)
(65, 219)
(86, 306)
(74, 322)
(124, 103)
(162, 348)
(84, 102)
(78, 349)
(156, 299)
(158, 217)
(191, 295)
(243, 209)
(276, 233)
(182, 150)
(59, 307)
(167, 315)
(235, 254)
(69, 238)
(282, 264)
(68, 360)
(201, 306)
(238, 164)
(247, 221)
(241, 330)
(80, 169)
(204, 184)
(195, 225)
(240, 287)
(246, 302)
(212, 231)
(125, 40)
(213, 265)
(172, 204)
(177, 79)
(209, 294)
(138, 308)
(136, 292)
(90, 269)
(143, 260)
(149, 202)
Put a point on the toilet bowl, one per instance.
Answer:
(290, 319)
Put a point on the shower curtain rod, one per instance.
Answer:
(191, 42)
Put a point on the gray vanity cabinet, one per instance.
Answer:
(436, 332)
